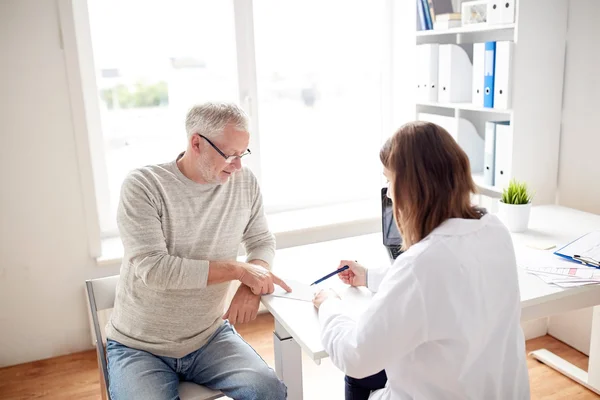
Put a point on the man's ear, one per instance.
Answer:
(195, 142)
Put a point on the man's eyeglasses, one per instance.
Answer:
(228, 159)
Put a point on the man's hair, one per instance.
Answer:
(209, 119)
(431, 179)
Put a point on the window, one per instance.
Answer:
(319, 70)
(315, 69)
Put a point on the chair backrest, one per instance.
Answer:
(101, 296)
(103, 290)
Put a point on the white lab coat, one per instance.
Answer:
(444, 321)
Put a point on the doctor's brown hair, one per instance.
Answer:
(431, 179)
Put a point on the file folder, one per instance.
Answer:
(503, 155)
(478, 65)
(427, 14)
(427, 82)
(503, 75)
(421, 24)
(494, 12)
(455, 74)
(488, 74)
(489, 157)
(507, 12)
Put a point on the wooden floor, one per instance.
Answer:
(76, 376)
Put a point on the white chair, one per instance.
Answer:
(101, 296)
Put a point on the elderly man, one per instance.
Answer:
(181, 224)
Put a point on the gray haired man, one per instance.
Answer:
(181, 224)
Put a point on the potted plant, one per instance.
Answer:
(515, 206)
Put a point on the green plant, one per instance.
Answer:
(136, 95)
(516, 193)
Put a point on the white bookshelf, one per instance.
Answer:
(539, 36)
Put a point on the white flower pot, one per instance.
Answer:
(514, 216)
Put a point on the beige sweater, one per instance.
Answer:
(171, 227)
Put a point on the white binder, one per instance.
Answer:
(427, 74)
(494, 12)
(465, 134)
(503, 75)
(478, 68)
(508, 11)
(455, 74)
(489, 157)
(489, 153)
(503, 167)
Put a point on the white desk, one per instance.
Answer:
(297, 325)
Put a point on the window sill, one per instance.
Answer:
(295, 228)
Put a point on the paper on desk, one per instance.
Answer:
(586, 246)
(564, 281)
(535, 259)
(570, 272)
(555, 270)
(300, 291)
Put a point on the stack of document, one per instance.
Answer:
(556, 270)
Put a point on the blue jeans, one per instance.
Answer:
(226, 363)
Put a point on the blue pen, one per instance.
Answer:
(337, 271)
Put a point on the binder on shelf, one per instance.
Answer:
(494, 12)
(478, 65)
(500, 12)
(465, 134)
(455, 74)
(427, 74)
(421, 23)
(503, 75)
(488, 74)
(489, 157)
(503, 155)
(427, 14)
(507, 12)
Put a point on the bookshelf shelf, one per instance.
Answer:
(486, 190)
(467, 29)
(466, 106)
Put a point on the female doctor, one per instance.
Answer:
(444, 320)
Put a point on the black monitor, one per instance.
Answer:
(391, 236)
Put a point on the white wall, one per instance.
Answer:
(43, 239)
(579, 168)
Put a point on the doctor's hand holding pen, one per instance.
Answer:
(355, 275)
(352, 274)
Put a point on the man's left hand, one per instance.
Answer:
(323, 295)
(243, 307)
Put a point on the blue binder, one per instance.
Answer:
(489, 67)
(421, 23)
(427, 15)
